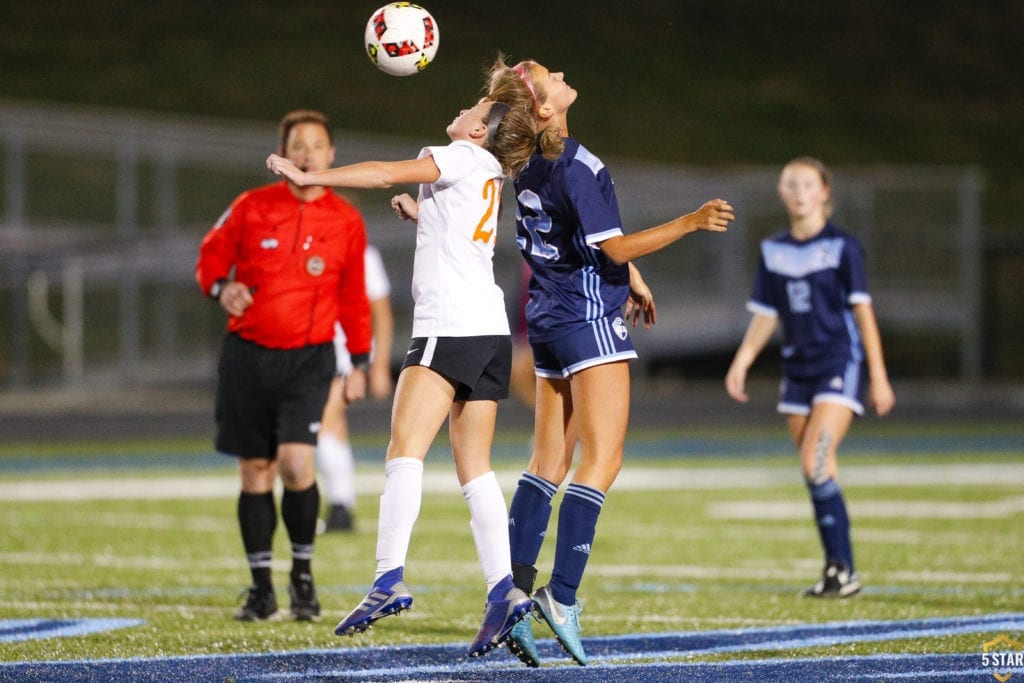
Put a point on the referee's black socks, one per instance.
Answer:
(257, 519)
(299, 510)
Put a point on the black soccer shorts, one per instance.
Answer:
(266, 397)
(479, 366)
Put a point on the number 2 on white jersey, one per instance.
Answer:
(491, 192)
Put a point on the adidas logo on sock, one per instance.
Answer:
(582, 548)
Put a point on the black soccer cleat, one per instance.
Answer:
(260, 605)
(837, 581)
(339, 518)
(305, 606)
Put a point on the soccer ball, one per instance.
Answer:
(401, 38)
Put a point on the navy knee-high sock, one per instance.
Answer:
(577, 524)
(833, 522)
(299, 513)
(257, 518)
(528, 518)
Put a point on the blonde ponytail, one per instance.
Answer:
(508, 84)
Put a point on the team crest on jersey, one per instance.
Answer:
(836, 383)
(315, 265)
(619, 325)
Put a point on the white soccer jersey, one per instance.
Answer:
(378, 286)
(453, 273)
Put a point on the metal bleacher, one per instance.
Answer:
(102, 213)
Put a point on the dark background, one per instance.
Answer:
(700, 83)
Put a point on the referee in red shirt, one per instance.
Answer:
(284, 262)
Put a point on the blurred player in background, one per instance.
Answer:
(334, 458)
(285, 262)
(811, 278)
(570, 233)
(457, 367)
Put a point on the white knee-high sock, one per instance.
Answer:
(337, 470)
(489, 522)
(399, 509)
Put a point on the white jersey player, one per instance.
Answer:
(458, 363)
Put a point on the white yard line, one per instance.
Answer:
(644, 478)
(152, 562)
(786, 571)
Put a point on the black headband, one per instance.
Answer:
(497, 113)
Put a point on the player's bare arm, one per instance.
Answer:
(372, 175)
(379, 380)
(882, 396)
(641, 300)
(713, 216)
(355, 386)
(760, 330)
(405, 207)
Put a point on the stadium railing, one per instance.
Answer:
(102, 212)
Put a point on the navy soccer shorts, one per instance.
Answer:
(599, 342)
(843, 385)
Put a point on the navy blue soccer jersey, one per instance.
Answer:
(564, 209)
(811, 286)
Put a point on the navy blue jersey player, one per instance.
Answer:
(811, 279)
(565, 208)
(810, 285)
(570, 233)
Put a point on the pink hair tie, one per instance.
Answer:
(524, 74)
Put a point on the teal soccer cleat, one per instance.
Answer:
(521, 643)
(564, 620)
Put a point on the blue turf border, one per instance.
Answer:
(13, 630)
(617, 657)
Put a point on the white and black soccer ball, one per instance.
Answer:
(401, 38)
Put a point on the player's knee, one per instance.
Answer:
(297, 480)
(817, 456)
(257, 475)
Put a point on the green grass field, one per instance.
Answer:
(684, 544)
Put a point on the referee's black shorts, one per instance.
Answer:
(267, 397)
(479, 367)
